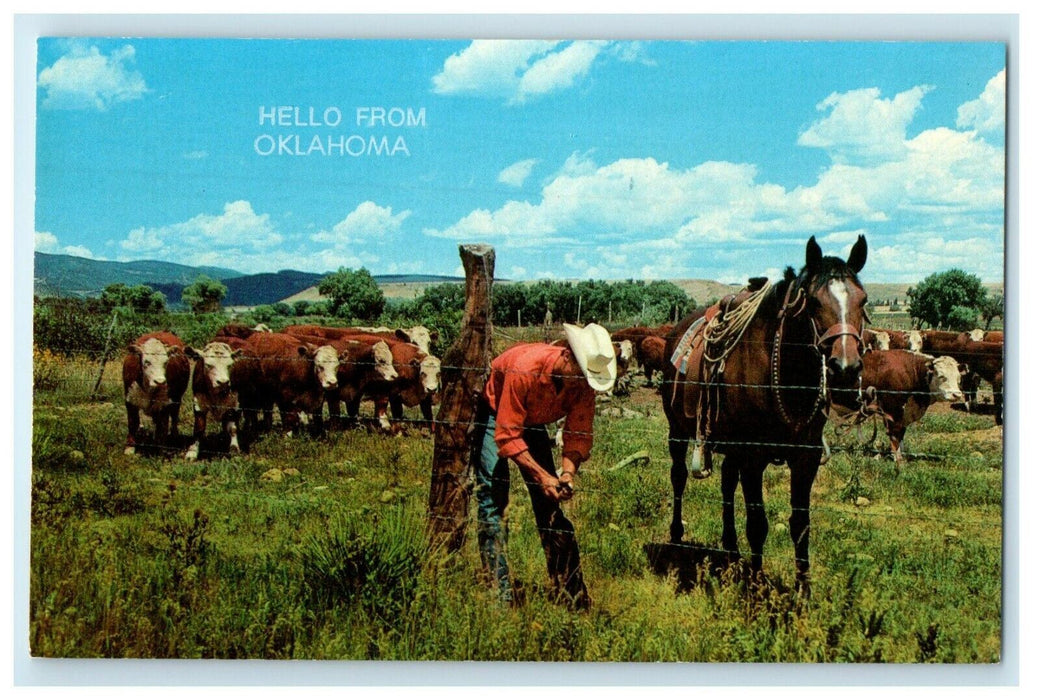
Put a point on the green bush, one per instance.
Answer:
(374, 564)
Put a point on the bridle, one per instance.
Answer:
(793, 308)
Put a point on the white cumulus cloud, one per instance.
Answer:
(488, 67)
(245, 240)
(861, 127)
(518, 70)
(46, 242)
(213, 238)
(646, 218)
(558, 70)
(85, 78)
(987, 112)
(516, 174)
(367, 221)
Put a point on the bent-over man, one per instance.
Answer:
(531, 385)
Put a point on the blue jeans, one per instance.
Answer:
(492, 493)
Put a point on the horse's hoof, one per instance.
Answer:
(701, 474)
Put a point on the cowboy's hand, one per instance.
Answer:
(548, 485)
(566, 486)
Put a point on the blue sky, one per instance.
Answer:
(583, 159)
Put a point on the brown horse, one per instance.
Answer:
(766, 401)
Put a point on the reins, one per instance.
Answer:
(799, 301)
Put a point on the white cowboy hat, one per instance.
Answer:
(595, 354)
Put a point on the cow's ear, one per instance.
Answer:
(858, 256)
(133, 350)
(307, 350)
(192, 352)
(236, 353)
(434, 335)
(401, 335)
(813, 255)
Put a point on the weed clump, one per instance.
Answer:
(373, 565)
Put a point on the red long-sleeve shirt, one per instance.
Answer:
(521, 392)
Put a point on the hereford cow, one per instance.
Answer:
(874, 339)
(212, 394)
(360, 364)
(155, 377)
(986, 360)
(241, 330)
(636, 335)
(416, 384)
(653, 354)
(903, 340)
(419, 336)
(906, 384)
(276, 368)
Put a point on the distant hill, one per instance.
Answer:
(68, 275)
(392, 286)
(252, 290)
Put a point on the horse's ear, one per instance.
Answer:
(858, 256)
(813, 255)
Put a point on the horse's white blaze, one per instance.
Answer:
(838, 291)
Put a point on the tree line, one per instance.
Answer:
(953, 300)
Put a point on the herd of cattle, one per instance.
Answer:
(243, 373)
(903, 371)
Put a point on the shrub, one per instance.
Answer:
(375, 566)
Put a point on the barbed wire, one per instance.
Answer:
(971, 352)
(512, 371)
(407, 422)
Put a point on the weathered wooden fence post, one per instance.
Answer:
(465, 370)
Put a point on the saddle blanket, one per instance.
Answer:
(681, 355)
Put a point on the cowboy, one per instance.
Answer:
(531, 385)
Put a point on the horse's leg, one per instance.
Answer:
(729, 481)
(678, 443)
(803, 473)
(757, 526)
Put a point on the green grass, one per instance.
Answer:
(150, 557)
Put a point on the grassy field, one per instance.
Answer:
(310, 548)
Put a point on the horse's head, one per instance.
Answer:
(834, 301)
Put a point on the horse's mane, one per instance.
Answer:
(831, 268)
(776, 295)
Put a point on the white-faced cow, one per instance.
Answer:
(876, 339)
(416, 384)
(361, 363)
(419, 336)
(906, 383)
(213, 394)
(155, 377)
(276, 368)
